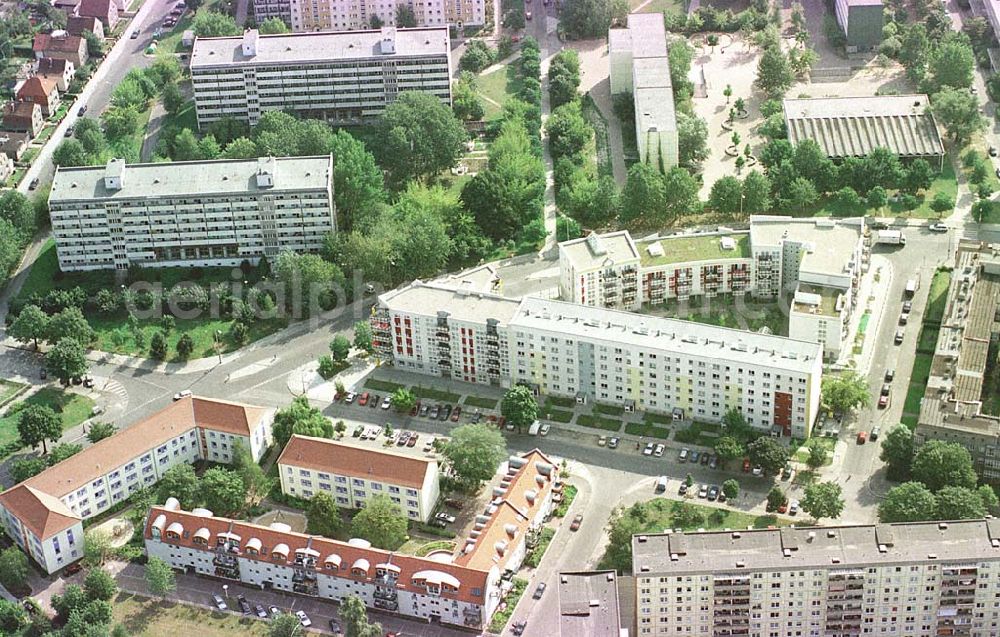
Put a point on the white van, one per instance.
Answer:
(661, 484)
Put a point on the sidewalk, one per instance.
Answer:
(872, 299)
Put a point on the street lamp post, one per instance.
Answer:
(225, 589)
(218, 344)
(742, 197)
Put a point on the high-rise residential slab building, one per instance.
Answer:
(348, 76)
(199, 213)
(919, 579)
(588, 353)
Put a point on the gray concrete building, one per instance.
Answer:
(348, 76)
(589, 605)
(919, 579)
(199, 213)
(861, 21)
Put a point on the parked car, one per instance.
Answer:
(613, 442)
(456, 414)
(415, 408)
(404, 436)
(476, 416)
(658, 451)
(335, 627)
(134, 35)
(303, 618)
(387, 402)
(784, 507)
(862, 437)
(544, 429)
(793, 507)
(438, 523)
(363, 399)
(703, 491)
(884, 400)
(412, 440)
(43, 374)
(873, 436)
(258, 610)
(993, 151)
(648, 451)
(683, 489)
(714, 463)
(694, 457)
(938, 227)
(34, 184)
(453, 503)
(374, 401)
(219, 602)
(907, 306)
(518, 628)
(706, 458)
(889, 375)
(683, 456)
(184, 393)
(274, 611)
(602, 441)
(435, 410)
(73, 569)
(446, 517)
(746, 465)
(349, 398)
(445, 412)
(244, 604)
(539, 590)
(577, 521)
(713, 493)
(424, 409)
(357, 431)
(898, 340)
(758, 471)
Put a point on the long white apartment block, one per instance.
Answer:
(352, 474)
(819, 262)
(347, 76)
(597, 354)
(198, 213)
(460, 587)
(44, 514)
(921, 579)
(352, 15)
(639, 65)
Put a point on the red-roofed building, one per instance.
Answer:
(76, 25)
(23, 117)
(104, 10)
(104, 474)
(62, 71)
(13, 144)
(60, 44)
(431, 588)
(43, 91)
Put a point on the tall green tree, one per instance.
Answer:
(160, 578)
(70, 153)
(726, 195)
(729, 448)
(959, 503)
(284, 624)
(69, 323)
(692, 139)
(774, 73)
(181, 482)
(300, 418)
(843, 393)
(681, 194)
(363, 336)
(958, 111)
(323, 517)
(273, 26)
(38, 424)
(908, 502)
(340, 347)
(381, 522)
(474, 452)
(355, 616)
(519, 407)
(222, 491)
(941, 464)
(897, 452)
(357, 179)
(98, 584)
(30, 325)
(823, 500)
(568, 131)
(256, 483)
(768, 453)
(951, 64)
(418, 136)
(645, 196)
(818, 453)
(13, 568)
(465, 99)
(212, 24)
(403, 400)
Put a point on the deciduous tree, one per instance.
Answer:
(30, 325)
(823, 500)
(897, 452)
(418, 137)
(519, 407)
(959, 503)
(768, 453)
(300, 418)
(845, 392)
(323, 517)
(223, 492)
(943, 464)
(381, 522)
(160, 578)
(38, 424)
(474, 452)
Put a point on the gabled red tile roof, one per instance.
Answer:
(63, 44)
(344, 459)
(48, 66)
(346, 554)
(43, 514)
(171, 421)
(37, 87)
(21, 111)
(76, 25)
(94, 8)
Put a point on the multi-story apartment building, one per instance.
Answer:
(267, 9)
(600, 270)
(350, 76)
(44, 514)
(591, 353)
(820, 261)
(351, 15)
(918, 579)
(461, 588)
(351, 474)
(199, 213)
(953, 405)
(639, 65)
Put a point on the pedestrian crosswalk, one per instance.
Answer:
(109, 385)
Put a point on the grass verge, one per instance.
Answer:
(72, 408)
(597, 422)
(479, 401)
(435, 394)
(382, 385)
(557, 415)
(501, 617)
(143, 617)
(647, 430)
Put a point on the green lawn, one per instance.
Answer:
(802, 453)
(726, 312)
(435, 394)
(9, 389)
(937, 298)
(598, 422)
(501, 617)
(610, 410)
(535, 555)
(382, 385)
(557, 415)
(569, 494)
(73, 408)
(559, 401)
(666, 7)
(479, 401)
(927, 340)
(659, 419)
(496, 87)
(699, 433)
(659, 514)
(921, 368)
(45, 276)
(646, 430)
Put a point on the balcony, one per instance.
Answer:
(386, 604)
(386, 594)
(228, 572)
(306, 588)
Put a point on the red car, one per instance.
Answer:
(783, 508)
(862, 437)
(746, 465)
(412, 440)
(883, 402)
(456, 413)
(577, 521)
(415, 408)
(363, 400)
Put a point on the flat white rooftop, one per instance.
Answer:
(831, 241)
